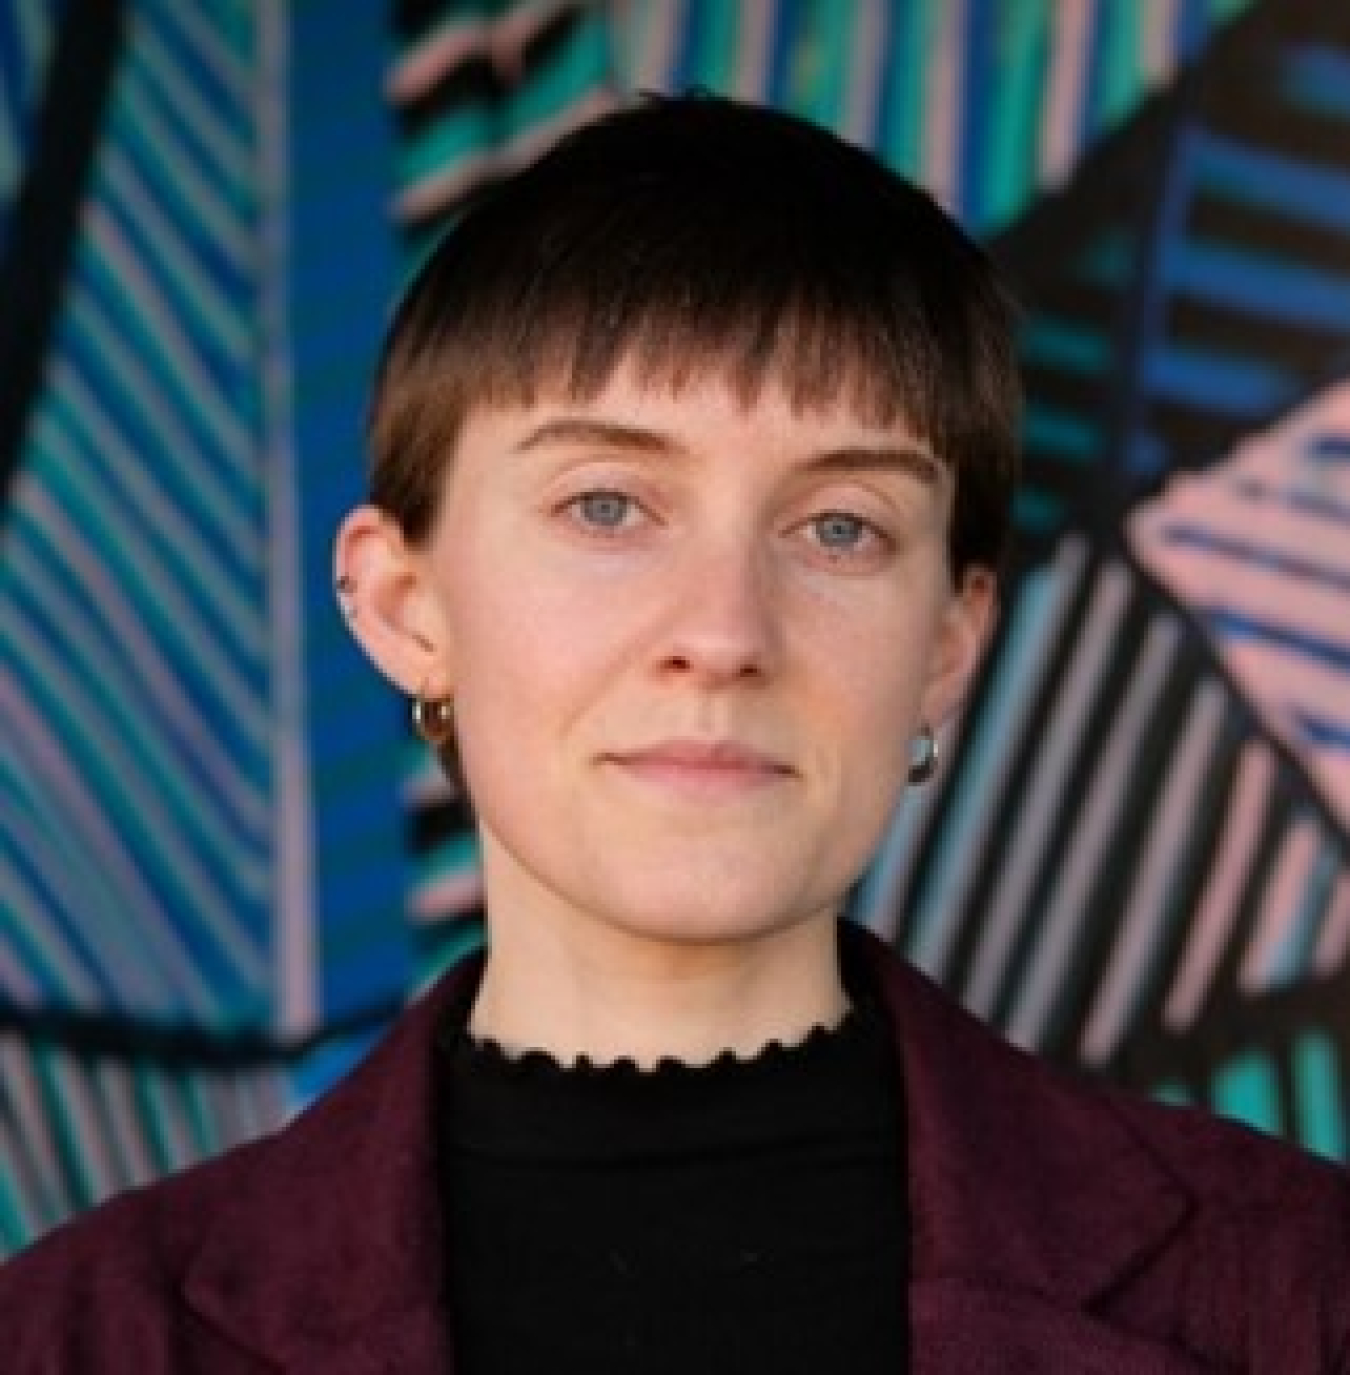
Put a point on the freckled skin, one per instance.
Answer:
(690, 640)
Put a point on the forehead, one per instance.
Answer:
(705, 425)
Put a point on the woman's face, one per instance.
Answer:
(689, 642)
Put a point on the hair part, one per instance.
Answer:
(697, 236)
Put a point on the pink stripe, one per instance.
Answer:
(944, 105)
(1266, 527)
(1334, 942)
(1214, 580)
(1065, 81)
(1213, 924)
(1279, 908)
(501, 40)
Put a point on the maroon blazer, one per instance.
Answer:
(1057, 1228)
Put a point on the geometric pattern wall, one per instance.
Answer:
(183, 942)
(224, 862)
(1141, 863)
(138, 835)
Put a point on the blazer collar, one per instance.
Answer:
(1019, 1179)
(328, 1253)
(1027, 1195)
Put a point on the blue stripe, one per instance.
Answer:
(784, 28)
(1243, 281)
(1185, 534)
(1315, 195)
(1306, 503)
(1145, 455)
(1234, 386)
(219, 96)
(978, 72)
(1239, 626)
(1192, 29)
(1094, 60)
(1316, 78)
(1323, 733)
(686, 61)
(1328, 449)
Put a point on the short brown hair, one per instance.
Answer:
(695, 234)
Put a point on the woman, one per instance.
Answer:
(693, 450)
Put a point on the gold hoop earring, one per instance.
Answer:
(434, 719)
(923, 756)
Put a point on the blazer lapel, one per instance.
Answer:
(961, 1328)
(329, 1254)
(1020, 1183)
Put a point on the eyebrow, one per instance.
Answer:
(604, 433)
(911, 460)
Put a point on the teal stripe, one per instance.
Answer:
(1246, 1088)
(79, 1189)
(1064, 346)
(822, 69)
(216, 621)
(61, 843)
(1119, 81)
(902, 136)
(233, 518)
(457, 856)
(1319, 1096)
(716, 61)
(170, 100)
(174, 175)
(201, 299)
(1063, 436)
(229, 682)
(552, 87)
(1173, 1091)
(105, 765)
(33, 937)
(1011, 112)
(41, 578)
(1037, 512)
(222, 410)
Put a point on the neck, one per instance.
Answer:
(627, 997)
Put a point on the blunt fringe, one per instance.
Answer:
(695, 235)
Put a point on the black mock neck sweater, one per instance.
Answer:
(742, 1217)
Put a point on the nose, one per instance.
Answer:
(724, 621)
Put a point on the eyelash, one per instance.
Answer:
(868, 535)
(870, 541)
(576, 508)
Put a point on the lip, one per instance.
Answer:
(710, 767)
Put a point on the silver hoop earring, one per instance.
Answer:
(434, 719)
(346, 591)
(923, 757)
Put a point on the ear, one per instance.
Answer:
(389, 603)
(963, 631)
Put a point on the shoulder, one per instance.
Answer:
(111, 1280)
(1168, 1219)
(1249, 1184)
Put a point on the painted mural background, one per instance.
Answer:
(223, 861)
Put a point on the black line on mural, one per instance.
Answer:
(47, 209)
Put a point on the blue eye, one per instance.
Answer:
(603, 510)
(837, 530)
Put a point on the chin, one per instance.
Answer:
(716, 917)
